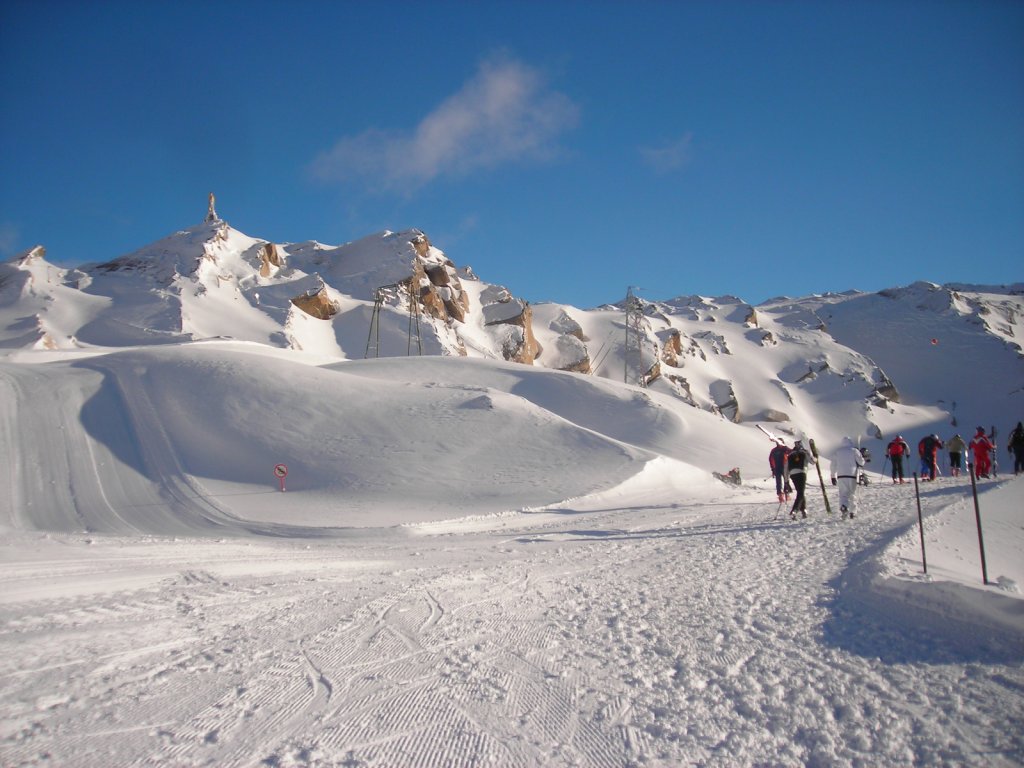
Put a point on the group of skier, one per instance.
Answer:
(982, 448)
(790, 466)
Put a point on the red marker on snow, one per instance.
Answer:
(281, 472)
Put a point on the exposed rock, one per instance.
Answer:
(885, 390)
(38, 252)
(270, 256)
(724, 397)
(440, 289)
(501, 308)
(529, 349)
(421, 244)
(770, 414)
(572, 354)
(717, 342)
(653, 373)
(566, 325)
(672, 347)
(318, 304)
(682, 386)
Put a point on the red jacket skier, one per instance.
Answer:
(896, 450)
(981, 446)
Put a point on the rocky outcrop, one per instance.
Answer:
(440, 291)
(671, 347)
(32, 254)
(316, 304)
(270, 259)
(724, 397)
(512, 319)
(682, 388)
(884, 393)
(572, 352)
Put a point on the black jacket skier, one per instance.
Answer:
(796, 472)
(1016, 447)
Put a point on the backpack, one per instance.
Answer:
(797, 459)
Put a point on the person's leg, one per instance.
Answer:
(798, 481)
(849, 499)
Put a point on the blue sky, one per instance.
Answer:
(566, 150)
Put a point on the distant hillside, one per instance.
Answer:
(922, 355)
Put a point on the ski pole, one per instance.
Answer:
(920, 523)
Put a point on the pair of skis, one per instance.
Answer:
(821, 480)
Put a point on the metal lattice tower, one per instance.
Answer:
(414, 317)
(380, 295)
(633, 357)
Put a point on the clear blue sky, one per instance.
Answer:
(564, 149)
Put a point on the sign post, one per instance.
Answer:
(281, 472)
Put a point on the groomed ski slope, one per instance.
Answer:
(474, 563)
(625, 628)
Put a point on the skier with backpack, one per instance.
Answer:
(797, 463)
(847, 462)
(928, 450)
(896, 450)
(777, 462)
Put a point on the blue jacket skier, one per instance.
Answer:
(777, 462)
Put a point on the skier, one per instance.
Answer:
(957, 448)
(777, 462)
(928, 450)
(1016, 446)
(847, 461)
(981, 446)
(796, 472)
(896, 450)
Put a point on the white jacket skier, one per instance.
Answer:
(847, 461)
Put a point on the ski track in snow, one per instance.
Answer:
(644, 636)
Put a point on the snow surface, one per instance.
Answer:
(474, 562)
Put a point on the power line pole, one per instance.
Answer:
(380, 295)
(634, 338)
(414, 317)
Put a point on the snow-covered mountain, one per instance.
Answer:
(919, 357)
(242, 525)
